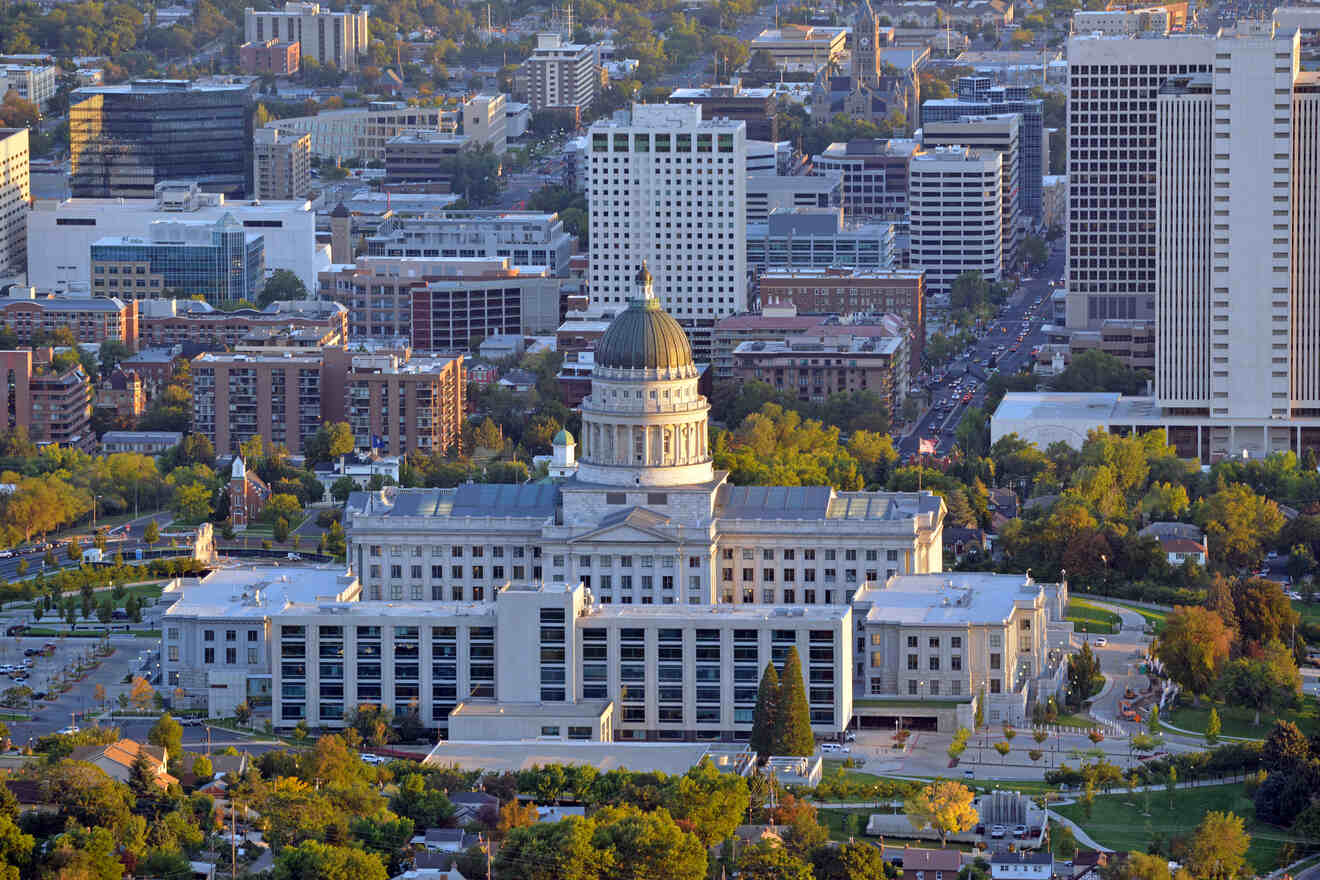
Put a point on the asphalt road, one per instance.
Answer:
(940, 422)
(118, 541)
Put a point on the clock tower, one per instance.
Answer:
(865, 51)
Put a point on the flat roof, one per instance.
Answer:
(506, 709)
(140, 436)
(1050, 405)
(255, 591)
(670, 758)
(712, 613)
(948, 599)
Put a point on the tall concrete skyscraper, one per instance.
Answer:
(669, 188)
(1113, 82)
(1225, 173)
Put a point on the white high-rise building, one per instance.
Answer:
(669, 189)
(15, 194)
(970, 238)
(1225, 165)
(562, 74)
(331, 39)
(1233, 245)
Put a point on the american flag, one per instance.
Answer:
(926, 445)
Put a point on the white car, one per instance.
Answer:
(369, 758)
(1101, 642)
(66, 731)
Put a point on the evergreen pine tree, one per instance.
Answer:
(793, 734)
(141, 779)
(765, 719)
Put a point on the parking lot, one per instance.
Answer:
(55, 660)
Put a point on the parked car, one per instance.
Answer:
(1020, 831)
(66, 731)
(369, 758)
(997, 831)
(1101, 642)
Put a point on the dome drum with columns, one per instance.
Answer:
(645, 423)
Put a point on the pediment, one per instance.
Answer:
(634, 526)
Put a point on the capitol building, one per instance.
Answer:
(636, 594)
(638, 514)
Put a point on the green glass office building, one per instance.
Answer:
(124, 139)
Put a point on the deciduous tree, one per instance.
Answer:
(1218, 849)
(944, 806)
(1193, 647)
(768, 860)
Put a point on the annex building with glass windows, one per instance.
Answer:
(222, 261)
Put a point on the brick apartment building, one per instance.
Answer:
(54, 406)
(177, 322)
(277, 57)
(398, 407)
(91, 319)
(393, 402)
(849, 291)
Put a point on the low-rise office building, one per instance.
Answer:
(67, 228)
(442, 303)
(220, 261)
(800, 47)
(769, 192)
(143, 442)
(819, 238)
(547, 662)
(363, 132)
(875, 176)
(31, 82)
(759, 108)
(90, 319)
(525, 238)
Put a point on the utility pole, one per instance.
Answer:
(233, 839)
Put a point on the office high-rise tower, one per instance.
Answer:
(1113, 82)
(669, 188)
(1225, 157)
(124, 139)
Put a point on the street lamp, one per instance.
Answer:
(95, 501)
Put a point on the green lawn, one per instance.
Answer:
(1310, 613)
(1154, 618)
(1235, 721)
(1117, 820)
(832, 768)
(1091, 618)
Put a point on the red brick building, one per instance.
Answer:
(248, 493)
(54, 406)
(850, 291)
(175, 322)
(91, 319)
(271, 56)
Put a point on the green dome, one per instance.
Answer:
(563, 438)
(644, 337)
